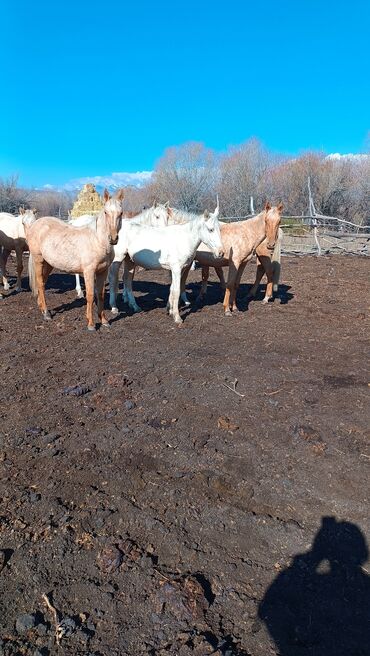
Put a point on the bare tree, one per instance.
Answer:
(243, 174)
(186, 177)
(12, 196)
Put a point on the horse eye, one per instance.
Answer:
(211, 229)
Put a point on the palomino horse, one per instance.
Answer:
(240, 241)
(267, 262)
(12, 237)
(172, 248)
(157, 215)
(55, 244)
(270, 264)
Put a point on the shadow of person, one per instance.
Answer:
(320, 605)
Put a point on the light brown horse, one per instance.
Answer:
(268, 263)
(240, 241)
(56, 244)
(13, 238)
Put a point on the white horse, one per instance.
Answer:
(172, 248)
(157, 215)
(13, 237)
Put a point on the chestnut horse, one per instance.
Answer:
(240, 241)
(56, 244)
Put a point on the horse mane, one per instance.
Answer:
(182, 216)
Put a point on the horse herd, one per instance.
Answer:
(160, 237)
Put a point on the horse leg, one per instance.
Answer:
(79, 291)
(89, 286)
(268, 267)
(229, 292)
(100, 281)
(4, 259)
(124, 291)
(203, 288)
(42, 272)
(113, 286)
(19, 254)
(259, 275)
(184, 276)
(175, 295)
(221, 277)
(236, 286)
(128, 274)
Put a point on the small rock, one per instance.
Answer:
(66, 627)
(76, 390)
(34, 496)
(25, 623)
(110, 559)
(128, 405)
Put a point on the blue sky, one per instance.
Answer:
(90, 88)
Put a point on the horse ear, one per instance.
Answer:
(21, 210)
(267, 206)
(106, 195)
(206, 214)
(120, 194)
(155, 204)
(34, 210)
(280, 207)
(169, 211)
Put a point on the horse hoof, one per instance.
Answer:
(228, 313)
(46, 315)
(114, 310)
(91, 329)
(18, 289)
(106, 324)
(80, 295)
(6, 287)
(266, 300)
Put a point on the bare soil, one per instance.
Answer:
(193, 490)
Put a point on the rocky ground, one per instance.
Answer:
(196, 490)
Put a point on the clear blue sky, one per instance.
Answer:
(89, 88)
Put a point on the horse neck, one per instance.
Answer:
(259, 228)
(102, 231)
(193, 228)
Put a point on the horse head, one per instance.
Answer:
(28, 216)
(272, 223)
(210, 232)
(160, 214)
(113, 214)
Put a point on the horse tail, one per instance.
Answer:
(32, 276)
(276, 262)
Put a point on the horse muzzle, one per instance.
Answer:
(219, 253)
(113, 241)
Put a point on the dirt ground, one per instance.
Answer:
(194, 490)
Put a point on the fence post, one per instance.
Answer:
(314, 223)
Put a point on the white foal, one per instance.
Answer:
(172, 248)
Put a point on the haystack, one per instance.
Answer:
(88, 201)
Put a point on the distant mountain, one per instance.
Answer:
(112, 181)
(353, 156)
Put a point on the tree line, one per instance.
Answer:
(190, 176)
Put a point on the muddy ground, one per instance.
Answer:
(161, 512)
